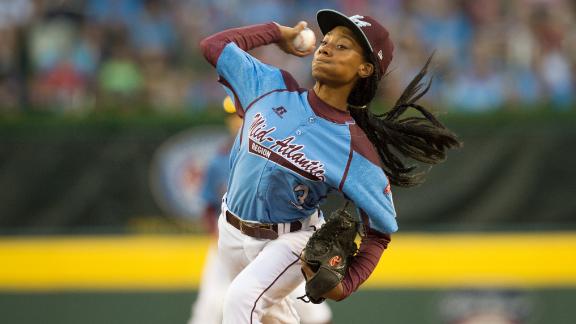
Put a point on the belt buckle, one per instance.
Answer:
(267, 231)
(244, 225)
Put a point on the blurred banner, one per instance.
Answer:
(450, 278)
(511, 172)
(172, 262)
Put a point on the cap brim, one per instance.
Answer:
(328, 19)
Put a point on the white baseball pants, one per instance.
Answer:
(264, 273)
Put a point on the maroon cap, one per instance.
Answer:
(374, 37)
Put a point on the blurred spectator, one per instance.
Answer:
(488, 54)
(165, 88)
(152, 30)
(14, 16)
(480, 86)
(520, 49)
(8, 84)
(113, 12)
(551, 25)
(120, 80)
(54, 44)
(61, 88)
(440, 25)
(14, 13)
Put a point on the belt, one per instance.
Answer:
(259, 230)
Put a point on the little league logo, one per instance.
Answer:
(178, 168)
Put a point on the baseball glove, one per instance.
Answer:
(328, 254)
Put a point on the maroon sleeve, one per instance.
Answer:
(246, 38)
(365, 261)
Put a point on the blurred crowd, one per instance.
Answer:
(78, 56)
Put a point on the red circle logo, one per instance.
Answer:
(335, 261)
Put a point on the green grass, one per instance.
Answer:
(544, 306)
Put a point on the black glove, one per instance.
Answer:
(328, 254)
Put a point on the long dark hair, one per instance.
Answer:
(422, 138)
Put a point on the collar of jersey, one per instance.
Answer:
(327, 111)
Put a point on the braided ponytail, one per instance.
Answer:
(423, 138)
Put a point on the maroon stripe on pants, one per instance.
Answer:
(265, 290)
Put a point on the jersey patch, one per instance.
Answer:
(280, 111)
(387, 190)
(282, 151)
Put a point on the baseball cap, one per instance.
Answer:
(373, 36)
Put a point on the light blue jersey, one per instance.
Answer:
(293, 149)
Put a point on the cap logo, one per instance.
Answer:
(357, 19)
(380, 55)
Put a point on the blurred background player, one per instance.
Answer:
(207, 308)
(208, 305)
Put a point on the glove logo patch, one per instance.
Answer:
(335, 261)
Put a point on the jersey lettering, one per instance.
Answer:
(258, 131)
(282, 152)
(260, 150)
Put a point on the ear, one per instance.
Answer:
(365, 70)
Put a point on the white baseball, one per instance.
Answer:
(305, 40)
